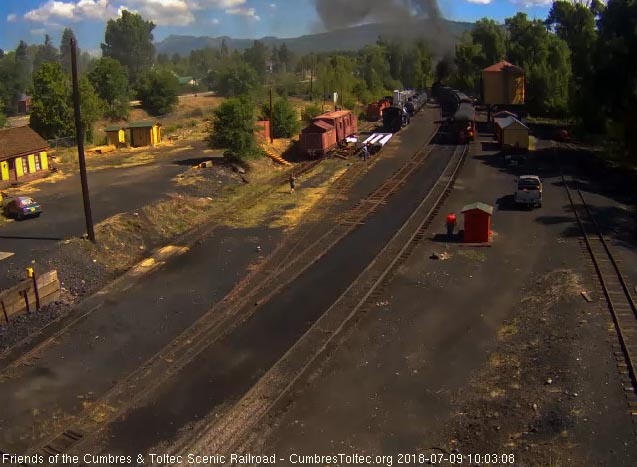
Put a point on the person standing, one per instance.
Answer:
(292, 182)
(451, 225)
(365, 152)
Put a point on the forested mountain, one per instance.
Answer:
(353, 38)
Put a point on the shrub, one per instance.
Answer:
(233, 127)
(310, 112)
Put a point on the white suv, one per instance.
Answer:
(528, 191)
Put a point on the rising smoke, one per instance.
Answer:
(342, 13)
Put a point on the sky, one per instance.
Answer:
(29, 20)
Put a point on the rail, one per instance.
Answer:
(268, 280)
(228, 433)
(616, 291)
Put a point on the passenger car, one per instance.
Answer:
(528, 191)
(20, 207)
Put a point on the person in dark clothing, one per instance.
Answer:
(451, 225)
(292, 183)
(365, 152)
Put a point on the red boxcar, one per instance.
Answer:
(375, 110)
(327, 131)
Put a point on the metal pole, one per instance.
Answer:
(311, 85)
(79, 133)
(271, 123)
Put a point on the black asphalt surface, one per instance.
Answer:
(225, 371)
(133, 325)
(112, 190)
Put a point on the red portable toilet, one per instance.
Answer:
(477, 222)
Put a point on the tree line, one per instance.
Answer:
(579, 63)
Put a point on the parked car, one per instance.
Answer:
(528, 191)
(20, 207)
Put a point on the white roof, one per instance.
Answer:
(510, 121)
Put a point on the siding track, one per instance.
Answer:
(616, 291)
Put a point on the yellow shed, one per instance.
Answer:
(512, 133)
(503, 84)
(115, 135)
(23, 155)
(144, 133)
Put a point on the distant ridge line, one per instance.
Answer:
(352, 38)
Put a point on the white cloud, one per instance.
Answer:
(164, 12)
(214, 21)
(272, 5)
(12, 17)
(481, 2)
(161, 12)
(532, 3)
(71, 11)
(38, 32)
(247, 12)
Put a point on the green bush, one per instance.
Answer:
(285, 120)
(157, 90)
(311, 111)
(233, 128)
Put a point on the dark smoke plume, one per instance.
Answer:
(342, 13)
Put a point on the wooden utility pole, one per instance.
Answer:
(79, 135)
(271, 123)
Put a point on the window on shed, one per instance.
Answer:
(25, 165)
(37, 162)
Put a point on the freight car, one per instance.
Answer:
(375, 109)
(463, 123)
(326, 132)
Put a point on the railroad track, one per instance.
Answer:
(9, 364)
(275, 274)
(615, 289)
(231, 432)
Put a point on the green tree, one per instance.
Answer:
(285, 57)
(110, 80)
(233, 127)
(158, 91)
(469, 61)
(65, 49)
(51, 112)
(3, 118)
(45, 53)
(23, 65)
(91, 107)
(309, 112)
(575, 24)
(10, 82)
(546, 59)
(257, 56)
(491, 37)
(616, 69)
(285, 120)
(129, 39)
(235, 79)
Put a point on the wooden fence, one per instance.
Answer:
(26, 298)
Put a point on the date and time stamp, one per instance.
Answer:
(333, 460)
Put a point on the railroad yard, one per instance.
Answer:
(362, 330)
